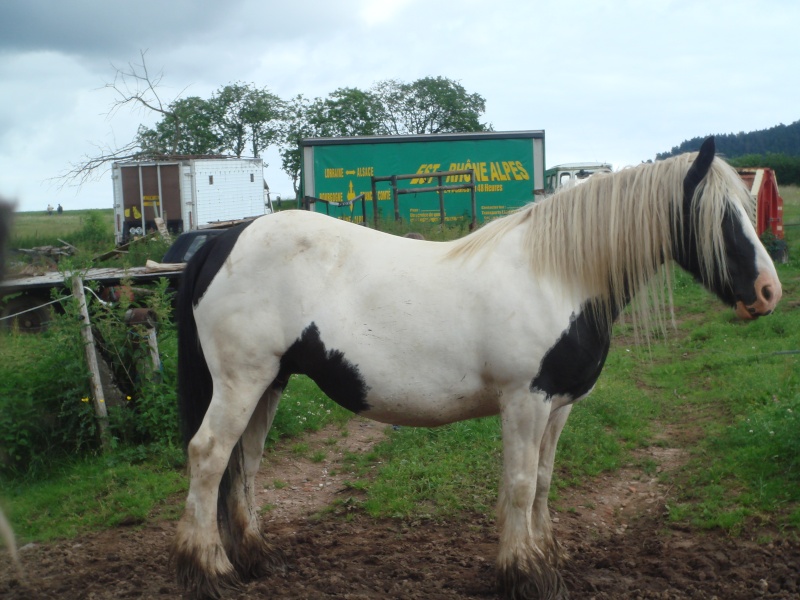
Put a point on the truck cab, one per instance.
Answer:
(572, 174)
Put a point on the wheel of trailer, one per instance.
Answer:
(33, 316)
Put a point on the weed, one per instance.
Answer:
(267, 508)
(300, 449)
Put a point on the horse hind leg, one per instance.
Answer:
(201, 562)
(252, 555)
(202, 566)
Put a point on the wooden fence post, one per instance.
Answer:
(98, 397)
(146, 319)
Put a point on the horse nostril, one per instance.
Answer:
(766, 292)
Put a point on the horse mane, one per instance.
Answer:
(610, 238)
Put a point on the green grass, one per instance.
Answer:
(304, 408)
(740, 382)
(30, 229)
(94, 493)
(91, 231)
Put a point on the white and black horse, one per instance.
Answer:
(514, 319)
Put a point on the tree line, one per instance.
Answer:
(776, 147)
(241, 119)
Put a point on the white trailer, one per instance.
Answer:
(186, 193)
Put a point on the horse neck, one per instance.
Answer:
(608, 240)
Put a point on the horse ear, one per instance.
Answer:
(699, 167)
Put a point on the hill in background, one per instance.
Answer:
(781, 139)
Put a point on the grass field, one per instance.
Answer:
(727, 393)
(32, 229)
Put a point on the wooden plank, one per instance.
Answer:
(162, 228)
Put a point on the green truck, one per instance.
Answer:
(504, 170)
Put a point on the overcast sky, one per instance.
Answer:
(614, 81)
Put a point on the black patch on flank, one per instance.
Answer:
(210, 258)
(573, 364)
(329, 369)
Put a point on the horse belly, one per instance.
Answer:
(414, 407)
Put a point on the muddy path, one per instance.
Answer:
(614, 528)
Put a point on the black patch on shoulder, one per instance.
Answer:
(573, 364)
(210, 258)
(331, 371)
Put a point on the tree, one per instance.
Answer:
(264, 113)
(229, 106)
(187, 128)
(134, 87)
(428, 105)
(246, 115)
(780, 139)
(238, 116)
(345, 112)
(296, 126)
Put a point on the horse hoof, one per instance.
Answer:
(255, 557)
(531, 581)
(206, 574)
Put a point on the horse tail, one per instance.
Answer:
(195, 385)
(194, 378)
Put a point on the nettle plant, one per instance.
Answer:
(46, 409)
(142, 405)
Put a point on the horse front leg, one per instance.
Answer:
(249, 550)
(523, 569)
(542, 524)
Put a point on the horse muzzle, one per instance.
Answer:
(768, 294)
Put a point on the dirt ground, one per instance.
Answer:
(614, 528)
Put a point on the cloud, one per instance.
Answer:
(91, 28)
(614, 81)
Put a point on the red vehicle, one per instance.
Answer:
(763, 187)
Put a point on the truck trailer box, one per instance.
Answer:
(508, 168)
(186, 193)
